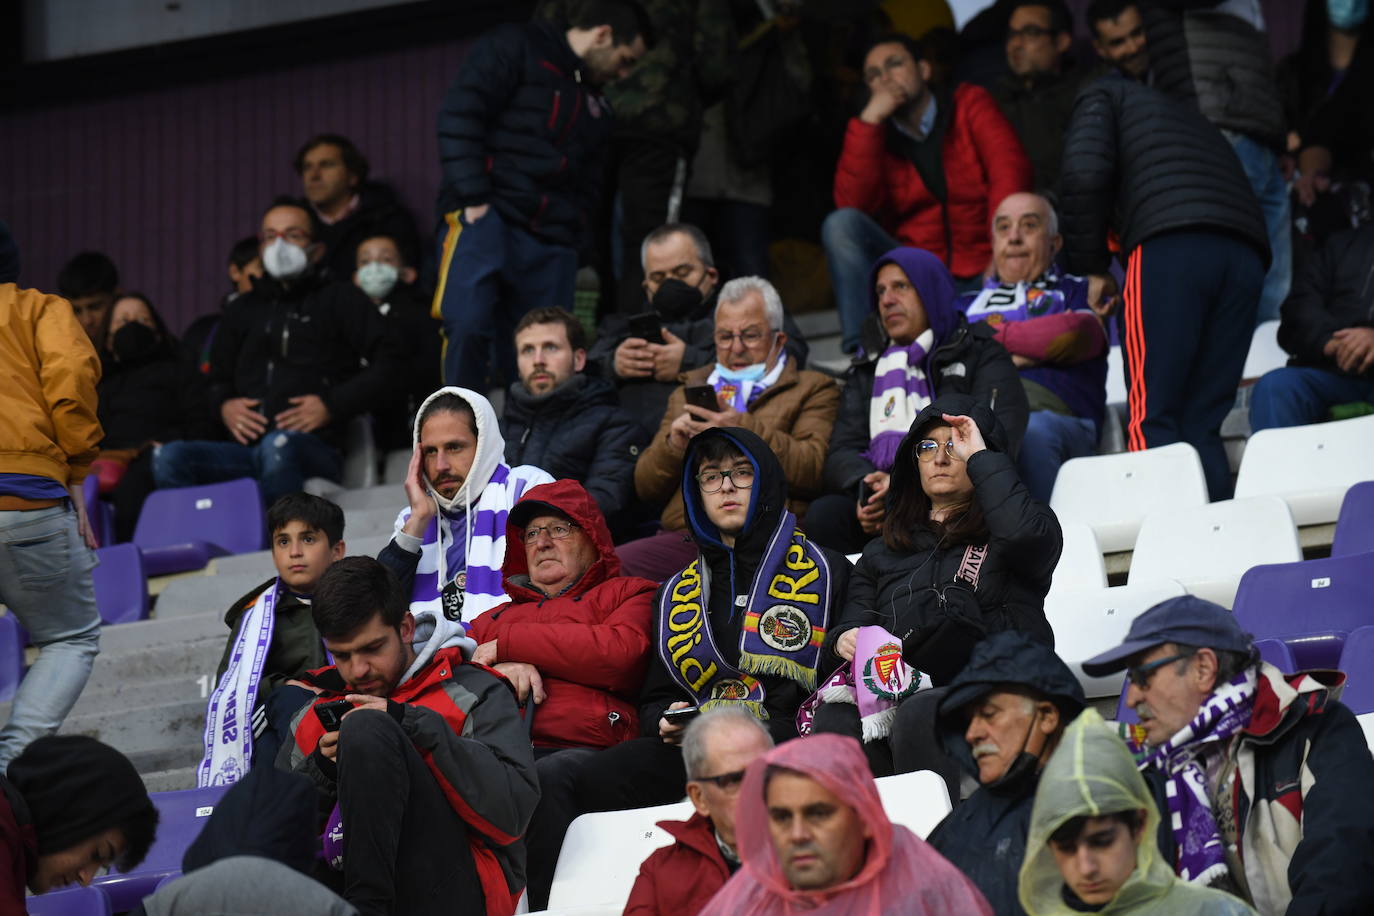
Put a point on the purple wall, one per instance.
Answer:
(165, 182)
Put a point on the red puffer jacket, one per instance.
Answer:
(590, 644)
(983, 160)
(679, 880)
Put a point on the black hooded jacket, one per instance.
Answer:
(379, 212)
(732, 572)
(907, 591)
(985, 836)
(156, 398)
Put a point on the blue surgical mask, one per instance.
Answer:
(1347, 15)
(751, 373)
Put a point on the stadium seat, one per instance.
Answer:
(1208, 548)
(918, 801)
(1310, 467)
(12, 641)
(121, 589)
(1265, 353)
(1111, 440)
(1114, 493)
(1080, 564)
(1357, 661)
(602, 853)
(98, 512)
(1367, 723)
(1278, 653)
(1313, 598)
(181, 529)
(1355, 526)
(1090, 622)
(180, 818)
(1116, 376)
(359, 464)
(71, 901)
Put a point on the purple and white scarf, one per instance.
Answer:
(740, 393)
(1201, 851)
(900, 392)
(1018, 301)
(883, 681)
(228, 717)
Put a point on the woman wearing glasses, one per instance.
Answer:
(965, 551)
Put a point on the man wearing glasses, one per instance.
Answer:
(680, 879)
(1264, 776)
(756, 385)
(292, 362)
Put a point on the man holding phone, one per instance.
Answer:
(425, 754)
(756, 385)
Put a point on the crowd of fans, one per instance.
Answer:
(630, 579)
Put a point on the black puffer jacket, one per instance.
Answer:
(731, 575)
(985, 836)
(577, 432)
(1335, 290)
(305, 336)
(160, 399)
(522, 130)
(379, 212)
(906, 591)
(1218, 62)
(1141, 164)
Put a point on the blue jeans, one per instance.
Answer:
(45, 580)
(1297, 396)
(280, 461)
(1051, 439)
(853, 241)
(1261, 166)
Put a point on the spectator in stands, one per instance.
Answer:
(50, 432)
(148, 394)
(1339, 137)
(389, 281)
(293, 361)
(574, 639)
(244, 884)
(814, 837)
(1214, 58)
(89, 281)
(1159, 176)
(69, 806)
(568, 421)
(757, 387)
(737, 495)
(1047, 322)
(523, 132)
(349, 208)
(925, 348)
(1328, 327)
(1037, 95)
(1331, 47)
(679, 880)
(1090, 847)
(307, 538)
(680, 284)
(245, 266)
(1002, 718)
(921, 166)
(1263, 773)
(431, 769)
(965, 552)
(450, 541)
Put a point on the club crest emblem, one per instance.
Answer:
(785, 628)
(729, 689)
(890, 406)
(883, 676)
(453, 596)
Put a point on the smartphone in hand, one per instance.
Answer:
(703, 396)
(331, 714)
(648, 325)
(681, 716)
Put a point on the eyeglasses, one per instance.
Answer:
(726, 782)
(711, 481)
(751, 337)
(1140, 675)
(1028, 32)
(295, 236)
(558, 531)
(926, 449)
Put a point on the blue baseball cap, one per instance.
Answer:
(1188, 619)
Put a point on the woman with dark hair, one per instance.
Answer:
(965, 552)
(148, 394)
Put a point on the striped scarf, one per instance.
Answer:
(900, 392)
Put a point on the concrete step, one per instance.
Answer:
(386, 496)
(815, 325)
(114, 670)
(141, 728)
(207, 594)
(258, 566)
(170, 780)
(361, 523)
(147, 694)
(162, 631)
(166, 757)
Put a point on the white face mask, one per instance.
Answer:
(283, 260)
(377, 279)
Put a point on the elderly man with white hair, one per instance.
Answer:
(755, 384)
(1045, 319)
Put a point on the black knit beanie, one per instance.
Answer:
(76, 788)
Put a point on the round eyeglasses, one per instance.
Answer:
(926, 449)
(558, 531)
(711, 481)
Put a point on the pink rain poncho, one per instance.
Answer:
(900, 873)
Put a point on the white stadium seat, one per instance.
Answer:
(1310, 467)
(1080, 564)
(1265, 352)
(918, 801)
(1091, 622)
(1208, 548)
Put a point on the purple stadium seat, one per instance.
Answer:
(182, 529)
(72, 901)
(99, 513)
(1357, 661)
(1314, 598)
(121, 589)
(1355, 527)
(12, 641)
(181, 815)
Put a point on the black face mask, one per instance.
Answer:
(134, 342)
(676, 299)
